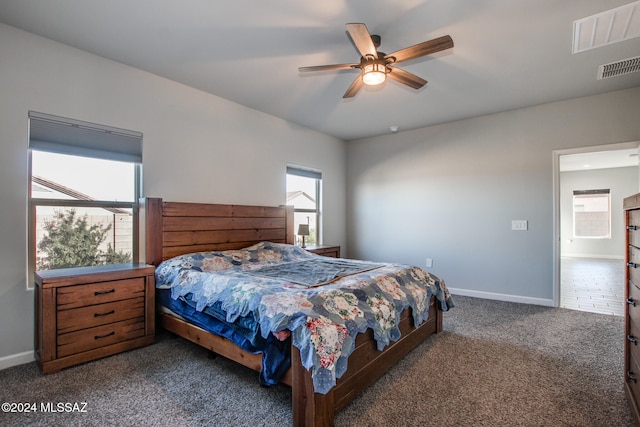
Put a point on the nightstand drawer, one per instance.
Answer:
(632, 376)
(328, 251)
(100, 336)
(633, 228)
(634, 340)
(634, 264)
(100, 314)
(99, 293)
(634, 303)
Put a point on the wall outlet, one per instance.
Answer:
(429, 263)
(519, 225)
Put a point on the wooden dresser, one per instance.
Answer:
(632, 308)
(87, 313)
(330, 251)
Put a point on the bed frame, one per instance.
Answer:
(175, 228)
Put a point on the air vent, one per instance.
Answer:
(619, 68)
(611, 26)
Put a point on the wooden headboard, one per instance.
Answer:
(176, 228)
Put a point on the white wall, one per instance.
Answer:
(622, 182)
(449, 192)
(197, 147)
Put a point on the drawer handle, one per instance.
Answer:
(631, 377)
(632, 227)
(97, 337)
(632, 339)
(631, 301)
(110, 291)
(632, 264)
(103, 314)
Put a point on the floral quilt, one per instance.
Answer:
(323, 303)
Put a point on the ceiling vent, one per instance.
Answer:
(612, 26)
(619, 68)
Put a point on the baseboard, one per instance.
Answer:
(501, 297)
(16, 359)
(592, 256)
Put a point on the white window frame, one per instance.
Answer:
(317, 175)
(585, 195)
(110, 144)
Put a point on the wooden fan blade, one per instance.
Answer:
(328, 67)
(406, 78)
(422, 49)
(362, 39)
(354, 88)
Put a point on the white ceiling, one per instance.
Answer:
(508, 54)
(599, 160)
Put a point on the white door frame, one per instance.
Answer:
(556, 202)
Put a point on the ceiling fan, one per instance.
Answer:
(376, 66)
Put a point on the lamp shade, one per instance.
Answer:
(374, 73)
(303, 230)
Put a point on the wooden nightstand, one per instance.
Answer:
(87, 313)
(324, 250)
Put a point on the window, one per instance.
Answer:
(303, 192)
(85, 184)
(592, 214)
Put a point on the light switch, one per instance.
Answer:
(519, 224)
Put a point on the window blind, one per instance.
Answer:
(590, 192)
(68, 136)
(308, 173)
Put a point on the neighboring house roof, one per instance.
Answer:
(51, 185)
(294, 194)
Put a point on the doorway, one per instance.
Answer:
(588, 270)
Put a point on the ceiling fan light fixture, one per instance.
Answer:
(374, 73)
(375, 65)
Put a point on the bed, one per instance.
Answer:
(178, 234)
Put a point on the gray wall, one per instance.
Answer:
(449, 192)
(197, 147)
(622, 182)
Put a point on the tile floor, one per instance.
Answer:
(595, 285)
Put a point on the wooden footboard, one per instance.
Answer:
(366, 366)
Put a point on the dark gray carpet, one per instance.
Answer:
(495, 364)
